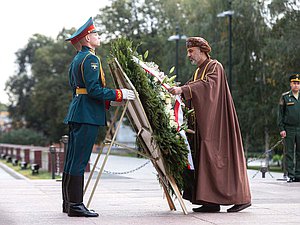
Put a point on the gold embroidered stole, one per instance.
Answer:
(203, 73)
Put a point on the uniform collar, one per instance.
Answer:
(291, 94)
(86, 48)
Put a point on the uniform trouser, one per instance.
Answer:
(80, 144)
(292, 145)
(81, 140)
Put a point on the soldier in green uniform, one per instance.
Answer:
(86, 114)
(289, 125)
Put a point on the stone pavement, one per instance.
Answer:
(137, 199)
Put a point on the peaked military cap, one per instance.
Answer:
(295, 77)
(85, 29)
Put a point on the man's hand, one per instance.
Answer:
(128, 94)
(175, 90)
(283, 134)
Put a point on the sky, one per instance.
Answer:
(20, 19)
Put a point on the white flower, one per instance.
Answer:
(168, 100)
(162, 95)
(168, 108)
(152, 65)
(172, 117)
(172, 112)
(173, 124)
(162, 75)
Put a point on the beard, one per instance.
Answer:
(193, 61)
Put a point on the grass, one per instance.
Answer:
(271, 168)
(47, 175)
(28, 173)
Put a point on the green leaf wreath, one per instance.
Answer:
(170, 142)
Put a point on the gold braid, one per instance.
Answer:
(102, 75)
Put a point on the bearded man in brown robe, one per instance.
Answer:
(220, 167)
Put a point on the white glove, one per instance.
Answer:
(128, 94)
(114, 103)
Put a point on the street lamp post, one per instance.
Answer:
(65, 140)
(229, 14)
(52, 150)
(177, 38)
(177, 50)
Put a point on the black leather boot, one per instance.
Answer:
(75, 197)
(65, 179)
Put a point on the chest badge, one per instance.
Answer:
(94, 66)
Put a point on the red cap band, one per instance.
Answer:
(83, 34)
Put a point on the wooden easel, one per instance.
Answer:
(138, 118)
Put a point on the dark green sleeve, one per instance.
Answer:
(281, 113)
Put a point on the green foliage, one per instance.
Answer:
(43, 174)
(277, 159)
(276, 169)
(265, 47)
(250, 89)
(3, 107)
(39, 92)
(24, 137)
(171, 144)
(146, 55)
(19, 88)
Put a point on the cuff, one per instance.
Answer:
(119, 95)
(187, 92)
(107, 105)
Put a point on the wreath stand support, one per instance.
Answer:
(139, 121)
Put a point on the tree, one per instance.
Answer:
(23, 136)
(20, 85)
(38, 93)
(249, 78)
(265, 52)
(281, 56)
(121, 18)
(19, 88)
(3, 107)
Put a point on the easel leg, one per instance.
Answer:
(164, 185)
(107, 154)
(169, 199)
(177, 193)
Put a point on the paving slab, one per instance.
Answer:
(137, 199)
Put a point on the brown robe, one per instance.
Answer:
(220, 173)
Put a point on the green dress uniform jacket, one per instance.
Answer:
(87, 109)
(289, 111)
(85, 72)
